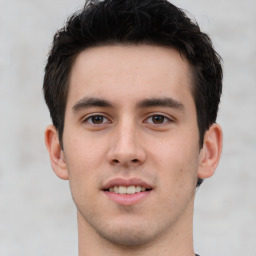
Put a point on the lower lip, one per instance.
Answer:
(125, 199)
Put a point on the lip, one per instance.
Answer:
(126, 183)
(126, 199)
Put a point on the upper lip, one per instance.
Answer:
(126, 183)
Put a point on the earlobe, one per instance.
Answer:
(56, 154)
(211, 151)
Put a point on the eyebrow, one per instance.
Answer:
(146, 103)
(91, 102)
(161, 102)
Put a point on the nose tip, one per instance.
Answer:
(126, 149)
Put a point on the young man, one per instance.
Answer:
(133, 88)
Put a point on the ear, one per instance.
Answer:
(55, 152)
(211, 151)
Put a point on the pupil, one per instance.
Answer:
(158, 119)
(97, 119)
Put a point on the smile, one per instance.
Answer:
(127, 190)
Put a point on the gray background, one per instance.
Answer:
(37, 215)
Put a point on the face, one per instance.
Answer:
(131, 142)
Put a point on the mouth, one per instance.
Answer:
(130, 190)
(127, 191)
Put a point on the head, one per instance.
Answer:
(153, 22)
(133, 89)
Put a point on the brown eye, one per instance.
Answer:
(157, 119)
(97, 119)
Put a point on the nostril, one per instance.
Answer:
(125, 162)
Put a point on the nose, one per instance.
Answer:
(126, 147)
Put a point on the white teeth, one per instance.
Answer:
(130, 190)
(138, 189)
(127, 190)
(122, 190)
(116, 189)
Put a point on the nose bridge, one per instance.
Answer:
(125, 137)
(125, 145)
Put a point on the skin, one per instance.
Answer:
(131, 137)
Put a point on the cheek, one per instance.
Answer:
(177, 161)
(177, 177)
(82, 176)
(83, 163)
(83, 153)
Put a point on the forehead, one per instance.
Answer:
(129, 72)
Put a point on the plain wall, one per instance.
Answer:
(37, 215)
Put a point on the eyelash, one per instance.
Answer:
(164, 118)
(90, 119)
(106, 120)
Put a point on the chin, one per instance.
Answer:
(129, 238)
(132, 235)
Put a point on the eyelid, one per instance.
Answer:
(89, 116)
(168, 118)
